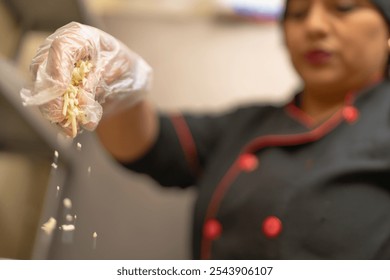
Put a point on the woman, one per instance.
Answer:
(308, 180)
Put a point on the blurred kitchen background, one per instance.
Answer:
(207, 56)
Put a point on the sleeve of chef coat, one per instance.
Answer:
(184, 144)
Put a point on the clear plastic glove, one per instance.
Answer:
(77, 69)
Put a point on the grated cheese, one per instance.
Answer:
(71, 109)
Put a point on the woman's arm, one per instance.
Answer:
(131, 133)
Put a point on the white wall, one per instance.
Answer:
(203, 64)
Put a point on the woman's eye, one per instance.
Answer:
(345, 8)
(297, 14)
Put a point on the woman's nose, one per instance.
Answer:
(317, 22)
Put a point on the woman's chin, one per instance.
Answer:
(324, 80)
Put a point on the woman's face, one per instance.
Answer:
(336, 43)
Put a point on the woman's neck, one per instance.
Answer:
(320, 106)
(322, 102)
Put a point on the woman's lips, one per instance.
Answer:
(318, 57)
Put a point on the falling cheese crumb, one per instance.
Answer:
(49, 226)
(71, 109)
(67, 203)
(94, 236)
(68, 227)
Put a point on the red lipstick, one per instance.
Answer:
(317, 57)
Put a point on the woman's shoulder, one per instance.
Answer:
(255, 112)
(254, 109)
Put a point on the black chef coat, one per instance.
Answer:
(273, 185)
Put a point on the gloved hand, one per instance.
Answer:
(77, 69)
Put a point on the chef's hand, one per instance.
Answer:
(77, 69)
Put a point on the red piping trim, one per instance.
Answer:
(262, 142)
(299, 115)
(230, 175)
(186, 141)
(295, 139)
(305, 119)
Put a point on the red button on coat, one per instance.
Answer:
(350, 114)
(212, 229)
(272, 227)
(248, 162)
